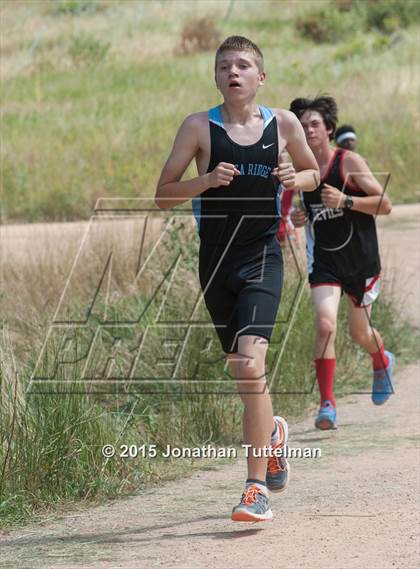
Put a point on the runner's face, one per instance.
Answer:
(348, 143)
(238, 76)
(315, 130)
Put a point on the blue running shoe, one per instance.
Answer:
(278, 469)
(253, 507)
(382, 386)
(327, 416)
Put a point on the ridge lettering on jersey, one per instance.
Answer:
(251, 169)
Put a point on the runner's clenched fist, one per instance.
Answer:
(332, 197)
(286, 174)
(222, 175)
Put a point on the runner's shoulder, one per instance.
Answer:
(352, 160)
(286, 120)
(196, 121)
(194, 128)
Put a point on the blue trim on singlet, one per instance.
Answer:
(196, 207)
(215, 115)
(278, 199)
(267, 114)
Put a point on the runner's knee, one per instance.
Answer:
(249, 388)
(247, 368)
(326, 327)
(361, 336)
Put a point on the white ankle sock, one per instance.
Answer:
(275, 439)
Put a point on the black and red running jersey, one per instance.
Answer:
(340, 240)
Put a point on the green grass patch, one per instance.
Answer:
(88, 114)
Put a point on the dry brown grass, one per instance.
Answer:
(45, 266)
(198, 35)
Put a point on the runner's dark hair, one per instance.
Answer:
(323, 104)
(344, 128)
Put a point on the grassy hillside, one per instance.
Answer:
(93, 92)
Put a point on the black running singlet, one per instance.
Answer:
(247, 210)
(340, 239)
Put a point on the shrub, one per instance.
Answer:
(75, 7)
(383, 42)
(198, 35)
(344, 5)
(355, 47)
(389, 16)
(343, 18)
(86, 50)
(328, 24)
(311, 27)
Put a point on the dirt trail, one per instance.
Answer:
(355, 507)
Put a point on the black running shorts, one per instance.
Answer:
(363, 289)
(242, 290)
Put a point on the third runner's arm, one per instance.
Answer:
(356, 172)
(305, 172)
(376, 202)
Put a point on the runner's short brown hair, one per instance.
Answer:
(240, 43)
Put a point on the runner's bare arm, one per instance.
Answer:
(376, 202)
(357, 173)
(171, 191)
(304, 174)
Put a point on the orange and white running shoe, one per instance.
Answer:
(278, 469)
(253, 507)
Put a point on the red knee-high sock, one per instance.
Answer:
(286, 202)
(325, 370)
(379, 359)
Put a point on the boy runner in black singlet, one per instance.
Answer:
(342, 251)
(236, 147)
